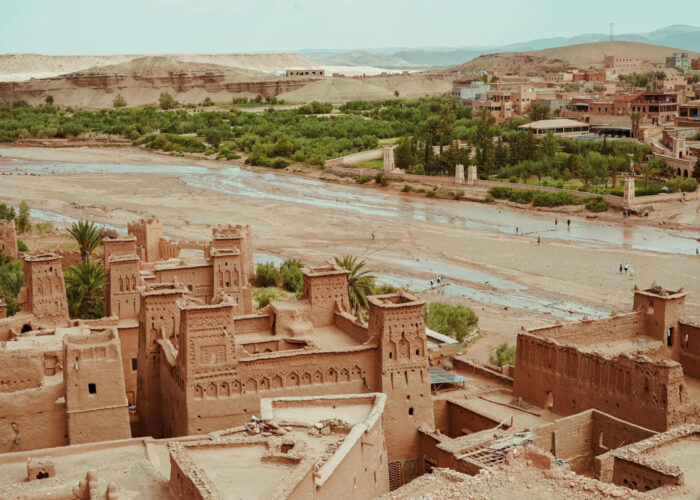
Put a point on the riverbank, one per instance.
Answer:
(509, 279)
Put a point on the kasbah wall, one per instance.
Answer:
(557, 368)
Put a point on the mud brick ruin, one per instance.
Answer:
(182, 390)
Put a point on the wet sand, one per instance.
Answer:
(508, 279)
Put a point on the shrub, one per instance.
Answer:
(362, 179)
(166, 101)
(266, 275)
(502, 355)
(263, 296)
(119, 101)
(596, 205)
(523, 197)
(459, 194)
(455, 321)
(383, 289)
(279, 163)
(432, 193)
(513, 180)
(680, 184)
(420, 190)
(501, 192)
(544, 199)
(213, 137)
(22, 246)
(290, 273)
(381, 179)
(407, 189)
(43, 227)
(489, 199)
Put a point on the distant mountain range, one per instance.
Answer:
(678, 36)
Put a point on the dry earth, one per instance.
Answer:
(405, 245)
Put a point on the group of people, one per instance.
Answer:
(626, 269)
(439, 280)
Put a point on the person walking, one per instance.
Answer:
(568, 223)
(627, 266)
(538, 239)
(556, 221)
(373, 235)
(620, 268)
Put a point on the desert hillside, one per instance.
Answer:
(192, 78)
(19, 67)
(580, 56)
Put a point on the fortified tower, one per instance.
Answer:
(663, 309)
(96, 402)
(396, 320)
(121, 293)
(8, 238)
(326, 289)
(159, 320)
(148, 233)
(239, 238)
(206, 363)
(230, 278)
(43, 292)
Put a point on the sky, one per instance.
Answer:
(229, 26)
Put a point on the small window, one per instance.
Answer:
(189, 287)
(669, 337)
(134, 364)
(410, 410)
(92, 388)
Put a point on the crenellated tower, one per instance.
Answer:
(43, 291)
(159, 319)
(396, 321)
(8, 238)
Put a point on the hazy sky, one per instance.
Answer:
(158, 26)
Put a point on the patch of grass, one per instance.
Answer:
(377, 164)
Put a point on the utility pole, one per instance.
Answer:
(611, 31)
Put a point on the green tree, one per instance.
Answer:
(87, 235)
(291, 276)
(166, 101)
(213, 137)
(266, 274)
(696, 169)
(284, 146)
(22, 221)
(360, 282)
(454, 321)
(207, 102)
(403, 154)
(85, 290)
(549, 145)
(538, 112)
(636, 117)
(502, 355)
(119, 101)
(49, 100)
(10, 282)
(649, 170)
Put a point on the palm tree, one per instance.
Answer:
(649, 170)
(85, 289)
(88, 237)
(360, 283)
(635, 116)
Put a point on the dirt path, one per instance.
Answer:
(488, 269)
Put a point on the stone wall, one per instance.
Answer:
(689, 355)
(568, 381)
